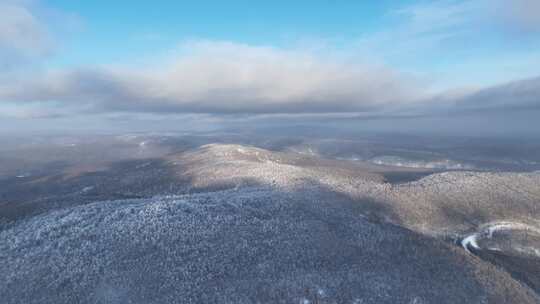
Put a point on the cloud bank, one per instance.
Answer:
(224, 77)
(228, 78)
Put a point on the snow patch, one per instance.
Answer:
(144, 165)
(471, 240)
(528, 250)
(305, 301)
(87, 189)
(396, 161)
(487, 231)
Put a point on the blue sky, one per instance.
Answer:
(111, 32)
(108, 28)
(64, 58)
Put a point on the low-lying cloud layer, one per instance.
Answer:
(222, 77)
(227, 78)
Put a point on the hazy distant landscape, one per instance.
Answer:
(271, 218)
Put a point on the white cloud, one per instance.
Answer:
(417, 30)
(22, 33)
(456, 43)
(229, 78)
(224, 77)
